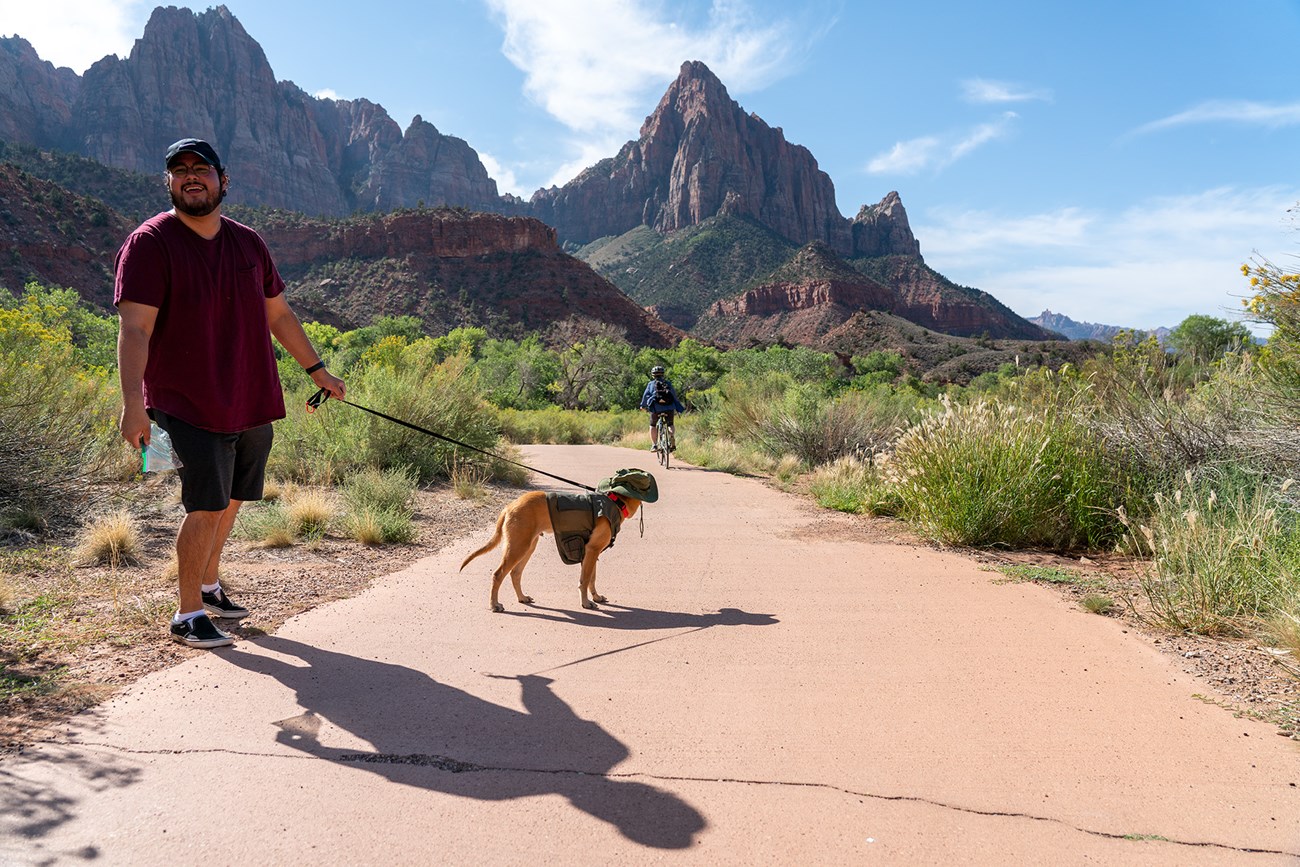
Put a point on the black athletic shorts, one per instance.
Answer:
(667, 414)
(215, 467)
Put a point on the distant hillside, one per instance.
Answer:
(449, 267)
(56, 237)
(1062, 324)
(941, 358)
(679, 275)
(134, 195)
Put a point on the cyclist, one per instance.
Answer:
(660, 399)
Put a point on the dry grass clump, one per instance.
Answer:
(1098, 604)
(469, 480)
(381, 505)
(310, 513)
(297, 513)
(1283, 630)
(112, 540)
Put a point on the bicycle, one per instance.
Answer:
(663, 441)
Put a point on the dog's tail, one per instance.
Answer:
(491, 543)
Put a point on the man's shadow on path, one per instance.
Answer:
(433, 736)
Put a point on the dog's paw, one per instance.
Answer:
(596, 597)
(526, 600)
(586, 603)
(498, 607)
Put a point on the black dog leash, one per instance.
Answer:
(323, 395)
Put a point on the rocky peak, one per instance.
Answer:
(883, 230)
(699, 154)
(35, 98)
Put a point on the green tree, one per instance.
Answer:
(1204, 339)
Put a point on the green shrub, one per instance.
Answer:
(402, 382)
(57, 416)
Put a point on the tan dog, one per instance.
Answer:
(523, 522)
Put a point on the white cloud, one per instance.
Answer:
(327, 93)
(594, 66)
(1220, 111)
(982, 134)
(76, 33)
(979, 90)
(505, 178)
(906, 157)
(1150, 265)
(938, 152)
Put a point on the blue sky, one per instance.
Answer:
(1115, 161)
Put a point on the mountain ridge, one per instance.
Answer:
(700, 157)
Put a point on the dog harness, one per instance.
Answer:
(573, 518)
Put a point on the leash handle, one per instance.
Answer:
(314, 402)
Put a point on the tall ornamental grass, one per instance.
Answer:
(1221, 563)
(996, 474)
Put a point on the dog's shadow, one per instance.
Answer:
(430, 735)
(611, 615)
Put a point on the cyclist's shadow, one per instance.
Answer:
(430, 735)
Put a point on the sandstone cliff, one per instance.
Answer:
(201, 74)
(35, 97)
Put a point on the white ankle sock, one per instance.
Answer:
(181, 618)
(211, 588)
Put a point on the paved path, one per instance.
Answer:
(767, 691)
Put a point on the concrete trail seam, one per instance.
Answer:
(456, 766)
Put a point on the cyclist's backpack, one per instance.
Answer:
(663, 394)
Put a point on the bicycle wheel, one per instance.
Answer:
(662, 440)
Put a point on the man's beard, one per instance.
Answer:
(198, 209)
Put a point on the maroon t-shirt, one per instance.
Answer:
(210, 358)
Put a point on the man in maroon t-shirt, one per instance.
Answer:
(199, 299)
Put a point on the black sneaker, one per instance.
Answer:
(199, 632)
(218, 604)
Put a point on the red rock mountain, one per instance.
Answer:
(816, 294)
(699, 154)
(450, 268)
(201, 74)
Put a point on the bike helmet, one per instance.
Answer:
(657, 371)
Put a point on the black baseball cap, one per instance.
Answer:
(199, 148)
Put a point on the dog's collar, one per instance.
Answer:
(619, 502)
